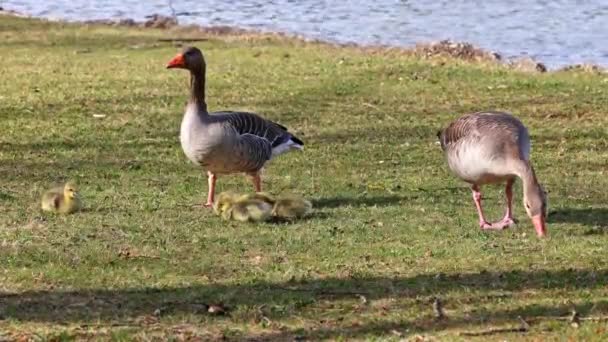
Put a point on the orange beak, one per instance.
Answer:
(177, 62)
(539, 225)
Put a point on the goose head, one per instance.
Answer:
(535, 202)
(191, 58)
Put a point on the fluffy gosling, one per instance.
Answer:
(63, 200)
(259, 207)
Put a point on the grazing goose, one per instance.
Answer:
(492, 147)
(226, 142)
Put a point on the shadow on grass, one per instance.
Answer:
(586, 216)
(385, 200)
(287, 299)
(314, 215)
(427, 323)
(335, 202)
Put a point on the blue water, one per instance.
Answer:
(555, 32)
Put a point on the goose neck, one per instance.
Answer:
(197, 89)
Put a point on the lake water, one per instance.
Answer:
(555, 32)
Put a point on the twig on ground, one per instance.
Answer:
(371, 106)
(492, 331)
(109, 325)
(438, 309)
(183, 39)
(524, 324)
(574, 319)
(524, 327)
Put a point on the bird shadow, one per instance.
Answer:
(314, 215)
(594, 217)
(382, 200)
(341, 201)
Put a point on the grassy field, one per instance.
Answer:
(391, 230)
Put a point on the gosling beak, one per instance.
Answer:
(539, 225)
(177, 62)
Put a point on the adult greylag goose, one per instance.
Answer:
(226, 142)
(493, 147)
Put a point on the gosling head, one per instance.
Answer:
(224, 202)
(70, 190)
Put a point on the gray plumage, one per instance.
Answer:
(492, 147)
(226, 142)
(485, 147)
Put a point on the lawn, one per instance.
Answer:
(391, 229)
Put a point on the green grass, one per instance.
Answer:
(390, 223)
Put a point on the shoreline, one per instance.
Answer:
(443, 48)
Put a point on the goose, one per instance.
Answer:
(226, 142)
(494, 147)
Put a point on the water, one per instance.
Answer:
(556, 32)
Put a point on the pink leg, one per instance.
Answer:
(507, 220)
(483, 224)
(257, 182)
(211, 178)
